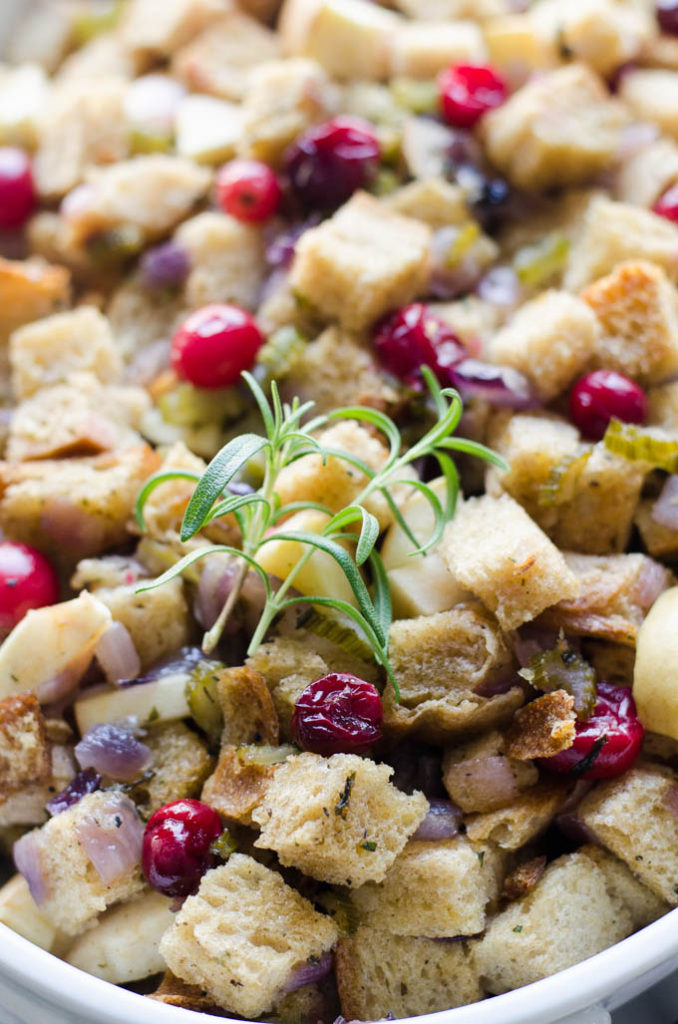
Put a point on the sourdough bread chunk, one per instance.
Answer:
(24, 747)
(239, 783)
(629, 816)
(249, 715)
(362, 262)
(644, 906)
(179, 766)
(227, 260)
(242, 935)
(571, 914)
(543, 728)
(75, 893)
(379, 973)
(149, 37)
(337, 819)
(495, 549)
(523, 820)
(467, 880)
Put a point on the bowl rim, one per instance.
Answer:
(593, 982)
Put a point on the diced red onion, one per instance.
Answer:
(309, 974)
(575, 829)
(117, 655)
(652, 581)
(500, 287)
(529, 641)
(114, 751)
(485, 779)
(70, 527)
(670, 800)
(665, 508)
(165, 266)
(84, 783)
(442, 821)
(28, 862)
(112, 841)
(499, 385)
(149, 363)
(449, 282)
(281, 245)
(151, 104)
(184, 660)
(216, 582)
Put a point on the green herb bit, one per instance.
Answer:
(341, 807)
(224, 846)
(563, 669)
(415, 96)
(369, 845)
(465, 239)
(536, 264)
(642, 444)
(518, 928)
(110, 250)
(561, 483)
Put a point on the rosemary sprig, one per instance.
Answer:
(288, 438)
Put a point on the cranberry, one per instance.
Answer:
(17, 189)
(214, 345)
(667, 204)
(667, 16)
(338, 714)
(413, 337)
(599, 396)
(608, 743)
(27, 580)
(328, 163)
(176, 848)
(248, 190)
(467, 91)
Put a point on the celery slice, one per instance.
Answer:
(642, 444)
(415, 95)
(202, 696)
(282, 352)
(465, 238)
(560, 485)
(536, 264)
(563, 669)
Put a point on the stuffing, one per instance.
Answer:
(523, 879)
(26, 807)
(30, 289)
(227, 260)
(543, 727)
(521, 821)
(150, 38)
(648, 173)
(422, 49)
(434, 201)
(24, 749)
(245, 700)
(600, 33)
(240, 782)
(180, 765)
(652, 95)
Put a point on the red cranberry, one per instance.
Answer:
(176, 849)
(214, 345)
(328, 163)
(17, 189)
(599, 396)
(467, 91)
(248, 190)
(413, 337)
(27, 580)
(608, 743)
(338, 714)
(667, 16)
(667, 204)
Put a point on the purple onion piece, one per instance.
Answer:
(165, 266)
(84, 783)
(112, 841)
(499, 385)
(665, 508)
(114, 751)
(184, 660)
(309, 973)
(116, 653)
(442, 821)
(27, 860)
(281, 245)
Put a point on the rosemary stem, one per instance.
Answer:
(212, 638)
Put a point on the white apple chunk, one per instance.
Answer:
(162, 700)
(20, 912)
(655, 677)
(207, 129)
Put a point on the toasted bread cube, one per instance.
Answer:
(217, 937)
(600, 33)
(165, 506)
(647, 174)
(467, 787)
(644, 906)
(521, 821)
(30, 289)
(516, 48)
(467, 879)
(338, 819)
(628, 815)
(637, 309)
(435, 201)
(239, 783)
(249, 715)
(26, 807)
(179, 767)
(559, 129)
(612, 232)
(550, 339)
(227, 260)
(422, 49)
(103, 56)
(652, 95)
(149, 37)
(305, 654)
(443, 663)
(142, 326)
(24, 749)
(124, 945)
(543, 728)
(350, 39)
(20, 912)
(284, 98)
(362, 262)
(74, 892)
(443, 10)
(23, 94)
(73, 508)
(663, 406)
(572, 913)
(218, 60)
(50, 350)
(378, 973)
(495, 549)
(84, 125)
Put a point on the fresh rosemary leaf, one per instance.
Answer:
(382, 593)
(155, 481)
(218, 474)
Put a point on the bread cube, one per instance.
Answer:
(612, 232)
(24, 748)
(75, 893)
(647, 174)
(26, 807)
(245, 700)
(659, 541)
(571, 914)
(218, 936)
(637, 309)
(443, 10)
(630, 817)
(240, 782)
(516, 48)
(149, 37)
(338, 819)
(142, 326)
(663, 406)
(600, 33)
(23, 94)
(51, 349)
(643, 905)
(308, 656)
(523, 820)
(422, 49)
(467, 880)
(559, 129)
(158, 621)
(30, 289)
(543, 728)
(444, 665)
(42, 36)
(180, 766)
(378, 974)
(284, 98)
(495, 549)
(362, 262)
(467, 786)
(219, 59)
(435, 201)
(103, 56)
(550, 339)
(227, 260)
(652, 95)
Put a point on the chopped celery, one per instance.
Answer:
(465, 238)
(224, 846)
(642, 444)
(562, 479)
(144, 142)
(188, 406)
(537, 264)
(386, 182)
(339, 630)
(264, 755)
(282, 352)
(563, 669)
(90, 20)
(390, 143)
(415, 96)
(202, 695)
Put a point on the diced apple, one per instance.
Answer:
(20, 912)
(207, 129)
(162, 700)
(418, 514)
(655, 677)
(424, 587)
(51, 648)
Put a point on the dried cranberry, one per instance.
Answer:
(467, 91)
(338, 714)
(602, 395)
(606, 744)
(215, 344)
(27, 580)
(412, 337)
(17, 189)
(667, 16)
(328, 163)
(176, 849)
(248, 190)
(667, 204)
